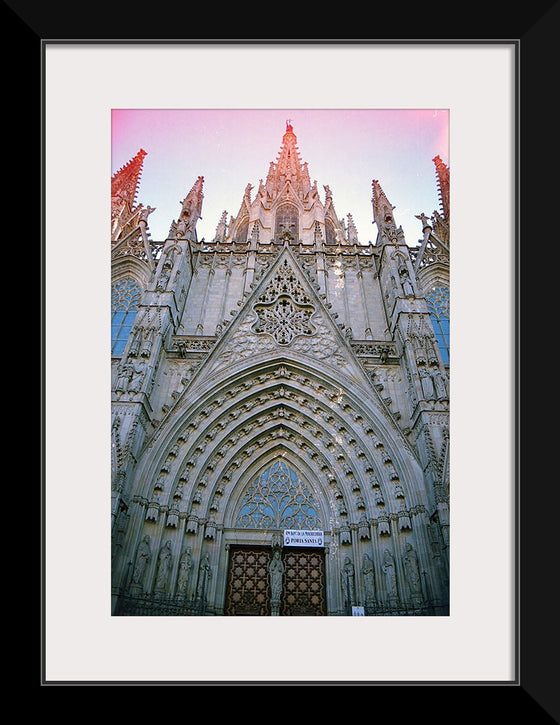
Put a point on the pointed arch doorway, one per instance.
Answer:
(275, 500)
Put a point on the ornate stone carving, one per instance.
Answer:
(143, 556)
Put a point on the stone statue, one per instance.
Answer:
(406, 284)
(185, 566)
(348, 582)
(369, 577)
(143, 556)
(439, 384)
(427, 384)
(412, 572)
(146, 213)
(204, 575)
(164, 566)
(276, 570)
(390, 575)
(137, 377)
(162, 281)
(125, 375)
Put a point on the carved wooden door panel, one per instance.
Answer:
(248, 586)
(303, 590)
(248, 583)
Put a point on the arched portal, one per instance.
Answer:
(285, 577)
(208, 492)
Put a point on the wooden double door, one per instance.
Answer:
(248, 591)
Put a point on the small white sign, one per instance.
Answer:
(358, 612)
(301, 537)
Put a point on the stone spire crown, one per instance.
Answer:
(442, 172)
(382, 208)
(124, 188)
(288, 168)
(125, 181)
(383, 217)
(191, 208)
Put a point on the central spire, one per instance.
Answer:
(287, 208)
(288, 168)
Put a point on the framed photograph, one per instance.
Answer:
(475, 84)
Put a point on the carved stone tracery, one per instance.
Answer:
(284, 309)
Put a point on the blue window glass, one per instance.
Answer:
(438, 305)
(125, 296)
(278, 499)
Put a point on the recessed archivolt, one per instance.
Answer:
(204, 461)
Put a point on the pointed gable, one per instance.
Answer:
(283, 317)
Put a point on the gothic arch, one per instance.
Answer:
(330, 231)
(268, 458)
(340, 443)
(130, 269)
(286, 214)
(217, 443)
(126, 295)
(240, 230)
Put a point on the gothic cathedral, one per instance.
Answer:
(280, 405)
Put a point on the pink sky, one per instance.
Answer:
(345, 149)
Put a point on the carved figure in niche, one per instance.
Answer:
(185, 567)
(427, 384)
(169, 258)
(419, 351)
(412, 572)
(162, 281)
(406, 284)
(124, 377)
(136, 340)
(378, 496)
(390, 574)
(368, 573)
(135, 384)
(204, 576)
(276, 570)
(348, 586)
(143, 556)
(431, 350)
(439, 384)
(147, 343)
(164, 566)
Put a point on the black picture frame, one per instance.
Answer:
(533, 30)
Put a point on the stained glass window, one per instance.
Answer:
(438, 304)
(125, 296)
(242, 232)
(287, 221)
(278, 499)
(330, 232)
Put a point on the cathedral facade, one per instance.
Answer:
(280, 405)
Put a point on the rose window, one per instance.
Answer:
(284, 309)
